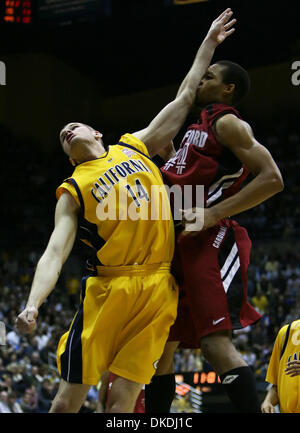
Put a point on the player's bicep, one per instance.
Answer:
(66, 221)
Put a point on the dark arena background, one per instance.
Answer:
(114, 64)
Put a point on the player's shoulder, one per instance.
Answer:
(230, 119)
(283, 329)
(295, 324)
(230, 124)
(132, 141)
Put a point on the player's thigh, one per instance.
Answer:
(166, 362)
(123, 395)
(70, 397)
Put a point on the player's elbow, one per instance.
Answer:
(187, 97)
(275, 181)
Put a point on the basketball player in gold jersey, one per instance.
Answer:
(130, 302)
(284, 372)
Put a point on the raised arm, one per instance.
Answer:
(167, 123)
(51, 262)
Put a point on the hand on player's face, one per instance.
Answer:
(211, 86)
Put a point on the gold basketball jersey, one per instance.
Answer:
(286, 348)
(126, 216)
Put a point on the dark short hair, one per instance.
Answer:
(232, 73)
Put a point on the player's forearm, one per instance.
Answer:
(167, 152)
(257, 191)
(198, 69)
(45, 278)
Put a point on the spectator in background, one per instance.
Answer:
(13, 338)
(29, 401)
(4, 406)
(13, 404)
(42, 337)
(46, 393)
(36, 378)
(260, 301)
(272, 267)
(48, 350)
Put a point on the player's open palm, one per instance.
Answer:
(26, 321)
(221, 27)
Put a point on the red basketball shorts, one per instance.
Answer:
(211, 269)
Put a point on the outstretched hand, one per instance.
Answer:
(221, 27)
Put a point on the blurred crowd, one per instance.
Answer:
(28, 373)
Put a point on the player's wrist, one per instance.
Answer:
(215, 213)
(32, 305)
(210, 42)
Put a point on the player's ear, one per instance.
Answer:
(98, 135)
(229, 89)
(72, 161)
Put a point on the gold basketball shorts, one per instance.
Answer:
(122, 324)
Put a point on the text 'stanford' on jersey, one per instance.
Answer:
(124, 219)
(202, 160)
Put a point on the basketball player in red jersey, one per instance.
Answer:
(210, 264)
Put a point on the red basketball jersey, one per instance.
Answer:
(202, 160)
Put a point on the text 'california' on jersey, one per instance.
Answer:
(125, 210)
(202, 160)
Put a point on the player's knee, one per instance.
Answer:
(61, 405)
(214, 345)
(208, 349)
(120, 405)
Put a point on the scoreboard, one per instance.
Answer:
(18, 11)
(52, 11)
(58, 12)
